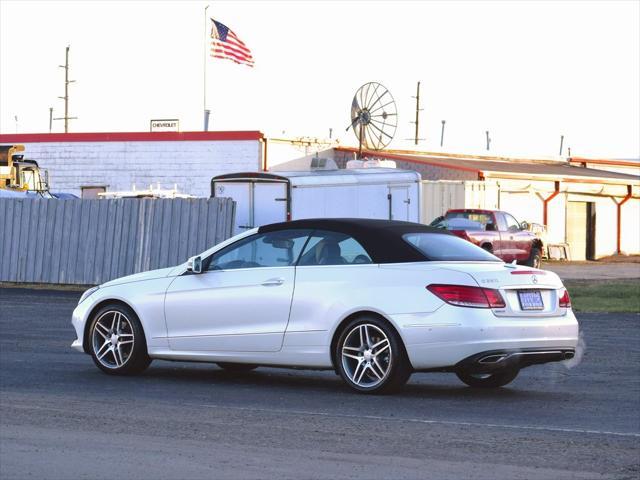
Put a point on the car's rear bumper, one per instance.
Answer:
(463, 333)
(487, 362)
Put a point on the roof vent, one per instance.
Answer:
(377, 163)
(355, 164)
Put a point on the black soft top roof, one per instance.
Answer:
(382, 239)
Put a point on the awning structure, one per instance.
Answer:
(516, 168)
(573, 176)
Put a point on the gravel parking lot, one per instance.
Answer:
(60, 417)
(594, 270)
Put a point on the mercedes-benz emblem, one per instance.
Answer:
(534, 279)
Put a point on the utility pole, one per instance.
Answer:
(561, 142)
(50, 119)
(488, 140)
(66, 117)
(442, 133)
(418, 110)
(207, 46)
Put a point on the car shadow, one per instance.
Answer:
(204, 376)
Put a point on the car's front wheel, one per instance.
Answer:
(370, 357)
(118, 345)
(489, 380)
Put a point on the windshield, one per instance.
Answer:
(469, 221)
(445, 247)
(31, 179)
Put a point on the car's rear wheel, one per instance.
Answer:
(237, 367)
(118, 345)
(370, 357)
(489, 380)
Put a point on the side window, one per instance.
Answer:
(502, 225)
(512, 223)
(332, 248)
(273, 249)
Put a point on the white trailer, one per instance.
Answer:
(263, 198)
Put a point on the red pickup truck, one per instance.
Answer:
(495, 231)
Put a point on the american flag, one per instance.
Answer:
(226, 44)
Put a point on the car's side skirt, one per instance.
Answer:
(302, 357)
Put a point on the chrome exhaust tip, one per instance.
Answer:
(492, 358)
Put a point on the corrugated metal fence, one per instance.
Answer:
(93, 241)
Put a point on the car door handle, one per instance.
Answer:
(273, 282)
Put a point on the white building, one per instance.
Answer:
(595, 211)
(86, 164)
(593, 205)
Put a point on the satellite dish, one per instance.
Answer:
(373, 116)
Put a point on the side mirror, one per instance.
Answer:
(194, 264)
(524, 226)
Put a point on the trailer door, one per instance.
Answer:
(269, 203)
(399, 202)
(240, 192)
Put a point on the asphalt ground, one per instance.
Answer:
(60, 417)
(600, 270)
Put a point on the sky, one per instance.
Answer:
(528, 72)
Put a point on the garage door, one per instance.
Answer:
(577, 229)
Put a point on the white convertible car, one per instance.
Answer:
(374, 300)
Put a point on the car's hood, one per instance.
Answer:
(139, 277)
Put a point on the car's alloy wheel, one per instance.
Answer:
(118, 345)
(370, 357)
(113, 339)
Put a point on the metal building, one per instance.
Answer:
(596, 212)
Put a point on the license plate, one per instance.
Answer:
(530, 300)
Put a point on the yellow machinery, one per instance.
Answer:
(20, 175)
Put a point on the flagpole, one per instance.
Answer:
(204, 73)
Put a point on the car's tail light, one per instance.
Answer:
(465, 296)
(565, 301)
(528, 272)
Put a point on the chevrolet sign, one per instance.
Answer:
(167, 125)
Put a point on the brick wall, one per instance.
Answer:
(120, 164)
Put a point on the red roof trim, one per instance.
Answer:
(600, 161)
(405, 158)
(128, 137)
